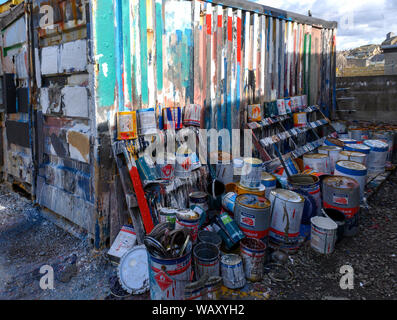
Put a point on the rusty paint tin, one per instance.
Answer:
(253, 253)
(232, 271)
(252, 214)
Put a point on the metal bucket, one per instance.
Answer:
(308, 183)
(318, 162)
(343, 194)
(232, 271)
(323, 235)
(287, 209)
(253, 253)
(206, 259)
(209, 237)
(333, 154)
(252, 214)
(251, 173)
(168, 277)
(354, 170)
(377, 157)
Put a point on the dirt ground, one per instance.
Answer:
(28, 241)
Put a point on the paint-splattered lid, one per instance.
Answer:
(315, 156)
(253, 201)
(352, 165)
(253, 162)
(133, 271)
(341, 182)
(231, 259)
(377, 145)
(352, 154)
(287, 195)
(329, 148)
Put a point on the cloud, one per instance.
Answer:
(360, 22)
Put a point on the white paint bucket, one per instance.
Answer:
(318, 162)
(323, 234)
(377, 158)
(232, 271)
(166, 166)
(287, 209)
(359, 148)
(333, 154)
(358, 134)
(192, 115)
(251, 173)
(353, 156)
(225, 169)
(354, 170)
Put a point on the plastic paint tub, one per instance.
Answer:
(323, 235)
(308, 183)
(269, 181)
(251, 173)
(252, 214)
(168, 277)
(253, 253)
(343, 194)
(353, 156)
(318, 162)
(232, 271)
(206, 258)
(333, 154)
(354, 170)
(287, 209)
(377, 158)
(339, 218)
(209, 237)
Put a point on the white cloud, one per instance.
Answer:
(360, 22)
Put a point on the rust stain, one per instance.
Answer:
(80, 142)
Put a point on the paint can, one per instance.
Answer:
(353, 156)
(387, 137)
(186, 162)
(251, 173)
(376, 161)
(286, 211)
(333, 154)
(216, 190)
(300, 119)
(347, 141)
(168, 277)
(167, 215)
(172, 118)
(318, 162)
(127, 126)
(253, 254)
(261, 191)
(343, 194)
(147, 121)
(254, 113)
(213, 288)
(310, 184)
(188, 219)
(229, 201)
(359, 134)
(333, 142)
(252, 214)
(269, 181)
(199, 198)
(206, 259)
(166, 166)
(358, 148)
(339, 218)
(354, 170)
(323, 235)
(192, 115)
(232, 271)
(209, 237)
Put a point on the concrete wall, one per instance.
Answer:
(375, 98)
(391, 63)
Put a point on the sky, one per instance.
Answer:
(360, 22)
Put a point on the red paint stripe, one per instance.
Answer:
(229, 29)
(283, 233)
(128, 231)
(142, 203)
(219, 21)
(255, 234)
(174, 272)
(208, 22)
(348, 212)
(239, 40)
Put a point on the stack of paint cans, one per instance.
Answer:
(286, 211)
(252, 214)
(343, 194)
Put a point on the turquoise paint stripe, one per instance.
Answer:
(144, 55)
(127, 49)
(159, 45)
(119, 52)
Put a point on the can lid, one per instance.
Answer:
(341, 182)
(231, 259)
(315, 156)
(186, 214)
(253, 161)
(330, 148)
(267, 176)
(361, 147)
(238, 163)
(348, 153)
(324, 223)
(348, 141)
(133, 271)
(352, 165)
(253, 201)
(377, 145)
(287, 195)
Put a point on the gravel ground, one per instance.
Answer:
(28, 241)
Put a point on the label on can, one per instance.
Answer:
(247, 219)
(340, 199)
